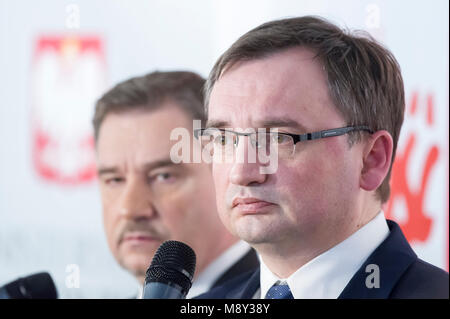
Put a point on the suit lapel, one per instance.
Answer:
(247, 289)
(248, 262)
(392, 258)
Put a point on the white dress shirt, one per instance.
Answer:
(326, 276)
(215, 269)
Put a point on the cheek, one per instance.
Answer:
(305, 184)
(109, 221)
(321, 182)
(181, 209)
(220, 175)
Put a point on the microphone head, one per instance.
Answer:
(173, 264)
(37, 286)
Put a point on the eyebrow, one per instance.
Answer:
(276, 122)
(217, 124)
(146, 167)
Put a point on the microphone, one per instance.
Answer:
(171, 272)
(37, 286)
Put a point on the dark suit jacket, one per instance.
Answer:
(402, 275)
(250, 261)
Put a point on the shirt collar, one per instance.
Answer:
(326, 275)
(140, 291)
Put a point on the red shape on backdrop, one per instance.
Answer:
(68, 75)
(418, 225)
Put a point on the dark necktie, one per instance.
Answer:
(279, 291)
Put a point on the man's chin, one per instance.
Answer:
(253, 230)
(137, 259)
(137, 265)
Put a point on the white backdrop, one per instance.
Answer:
(55, 224)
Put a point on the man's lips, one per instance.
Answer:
(250, 204)
(138, 237)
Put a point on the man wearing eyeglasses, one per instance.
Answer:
(328, 106)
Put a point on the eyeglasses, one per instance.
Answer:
(284, 144)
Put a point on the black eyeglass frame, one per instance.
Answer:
(302, 137)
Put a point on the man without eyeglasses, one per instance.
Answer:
(148, 196)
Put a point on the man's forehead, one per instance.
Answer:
(278, 108)
(139, 138)
(289, 86)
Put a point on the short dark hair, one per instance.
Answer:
(149, 92)
(364, 78)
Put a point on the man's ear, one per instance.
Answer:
(377, 160)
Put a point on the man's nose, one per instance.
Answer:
(245, 169)
(136, 201)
